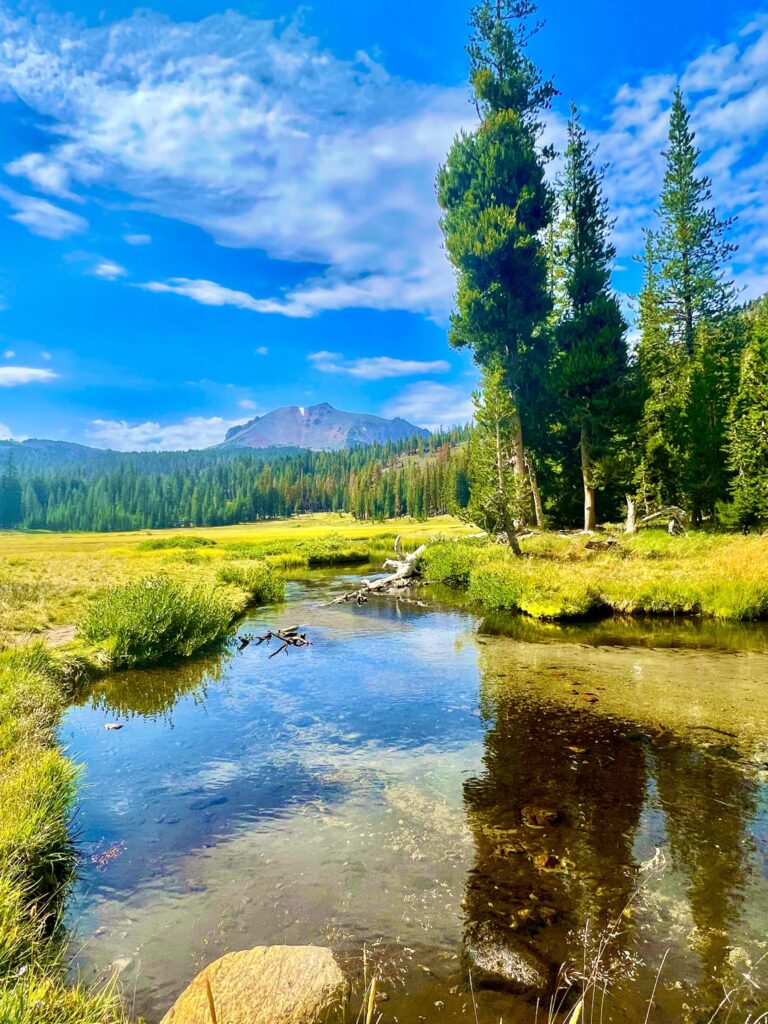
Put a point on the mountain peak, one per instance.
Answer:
(319, 427)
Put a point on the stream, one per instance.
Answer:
(422, 782)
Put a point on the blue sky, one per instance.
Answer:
(206, 213)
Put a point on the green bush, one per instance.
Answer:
(258, 579)
(451, 561)
(156, 617)
(190, 540)
(495, 587)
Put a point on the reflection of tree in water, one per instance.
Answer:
(152, 693)
(534, 885)
(708, 804)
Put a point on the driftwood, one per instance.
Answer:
(676, 518)
(286, 637)
(400, 579)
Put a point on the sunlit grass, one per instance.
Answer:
(49, 580)
(723, 577)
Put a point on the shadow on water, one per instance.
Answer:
(434, 790)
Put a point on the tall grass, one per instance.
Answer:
(260, 582)
(191, 540)
(37, 789)
(154, 618)
(652, 574)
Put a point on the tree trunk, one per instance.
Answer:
(538, 505)
(514, 543)
(589, 490)
(630, 526)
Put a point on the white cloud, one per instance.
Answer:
(247, 403)
(208, 293)
(44, 174)
(11, 376)
(375, 367)
(262, 350)
(41, 217)
(726, 89)
(249, 130)
(9, 354)
(108, 269)
(431, 405)
(137, 239)
(191, 432)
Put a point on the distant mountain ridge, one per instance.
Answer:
(319, 428)
(277, 433)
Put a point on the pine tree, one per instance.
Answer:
(497, 205)
(748, 428)
(664, 383)
(714, 380)
(496, 496)
(693, 247)
(590, 365)
(11, 513)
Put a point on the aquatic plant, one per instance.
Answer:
(153, 618)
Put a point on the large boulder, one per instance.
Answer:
(264, 985)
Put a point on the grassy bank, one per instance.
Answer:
(49, 581)
(560, 577)
(37, 789)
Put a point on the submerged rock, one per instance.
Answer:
(540, 817)
(264, 985)
(514, 966)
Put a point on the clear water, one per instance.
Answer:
(375, 791)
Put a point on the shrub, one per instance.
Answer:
(451, 561)
(177, 541)
(258, 579)
(496, 587)
(156, 617)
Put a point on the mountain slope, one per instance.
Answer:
(319, 427)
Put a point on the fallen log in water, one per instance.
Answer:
(290, 637)
(400, 579)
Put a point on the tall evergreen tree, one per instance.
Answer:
(590, 365)
(10, 496)
(692, 243)
(748, 430)
(497, 497)
(497, 204)
(664, 383)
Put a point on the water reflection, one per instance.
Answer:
(566, 800)
(153, 693)
(554, 815)
(359, 787)
(709, 805)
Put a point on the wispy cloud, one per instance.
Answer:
(6, 434)
(9, 354)
(209, 293)
(41, 217)
(303, 156)
(375, 367)
(432, 405)
(137, 239)
(12, 376)
(108, 270)
(191, 432)
(248, 403)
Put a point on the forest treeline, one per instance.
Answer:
(572, 425)
(416, 477)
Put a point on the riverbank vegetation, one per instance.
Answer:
(49, 581)
(571, 576)
(37, 791)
